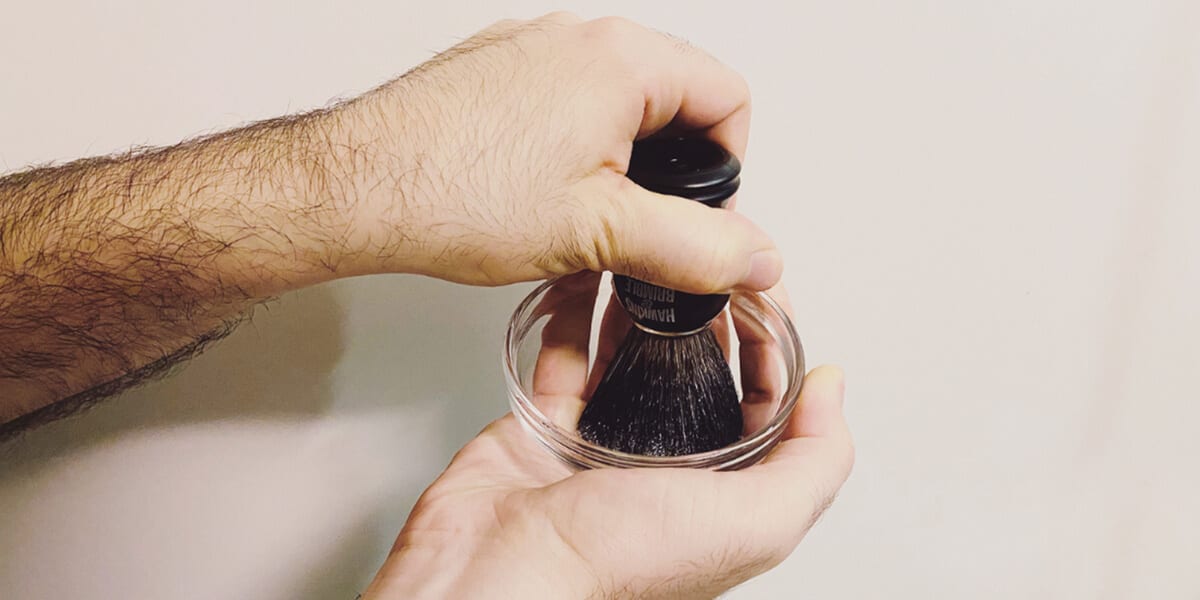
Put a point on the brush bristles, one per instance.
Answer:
(664, 396)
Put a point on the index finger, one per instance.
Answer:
(560, 373)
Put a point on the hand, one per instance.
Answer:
(503, 160)
(508, 520)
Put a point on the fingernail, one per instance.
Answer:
(766, 266)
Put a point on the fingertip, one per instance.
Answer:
(831, 372)
(819, 410)
(764, 271)
(832, 382)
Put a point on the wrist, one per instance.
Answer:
(488, 570)
(419, 572)
(305, 199)
(372, 170)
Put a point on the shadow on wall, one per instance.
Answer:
(420, 342)
(422, 360)
(274, 366)
(414, 340)
(394, 373)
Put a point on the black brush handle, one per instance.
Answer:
(694, 168)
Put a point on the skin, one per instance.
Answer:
(501, 160)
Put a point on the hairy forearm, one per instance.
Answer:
(111, 266)
(501, 160)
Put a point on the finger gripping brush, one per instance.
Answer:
(668, 390)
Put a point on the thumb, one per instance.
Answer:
(683, 244)
(809, 466)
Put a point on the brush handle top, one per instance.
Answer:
(691, 167)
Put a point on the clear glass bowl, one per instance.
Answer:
(554, 340)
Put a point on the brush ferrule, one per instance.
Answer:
(652, 331)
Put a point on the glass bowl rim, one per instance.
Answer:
(588, 455)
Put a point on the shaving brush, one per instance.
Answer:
(668, 390)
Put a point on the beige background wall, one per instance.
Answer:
(990, 212)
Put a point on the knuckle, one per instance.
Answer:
(576, 238)
(849, 454)
(561, 17)
(607, 232)
(611, 28)
(681, 44)
(819, 496)
(717, 263)
(743, 88)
